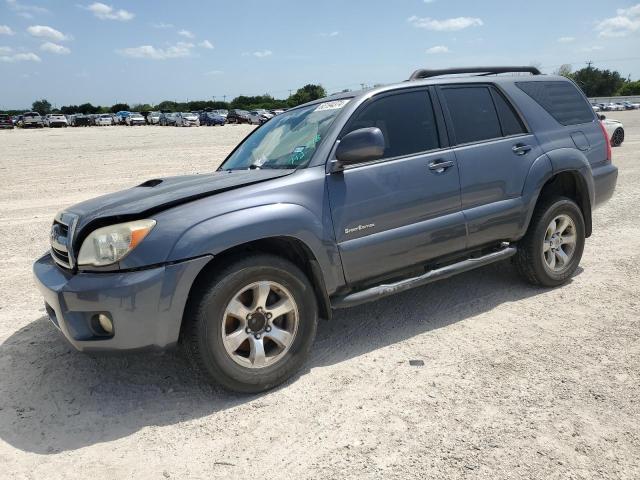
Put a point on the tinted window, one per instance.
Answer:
(405, 119)
(511, 123)
(473, 114)
(561, 100)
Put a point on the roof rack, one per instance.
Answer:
(425, 73)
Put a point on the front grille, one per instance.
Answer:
(61, 239)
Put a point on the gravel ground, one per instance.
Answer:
(517, 382)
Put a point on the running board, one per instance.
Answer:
(379, 291)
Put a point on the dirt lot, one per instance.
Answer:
(517, 382)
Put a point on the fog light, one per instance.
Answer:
(106, 323)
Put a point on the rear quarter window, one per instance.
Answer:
(561, 100)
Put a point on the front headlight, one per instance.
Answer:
(111, 244)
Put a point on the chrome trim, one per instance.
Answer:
(63, 243)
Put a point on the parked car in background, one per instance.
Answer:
(122, 116)
(153, 118)
(630, 106)
(187, 119)
(277, 111)
(615, 107)
(6, 121)
(167, 119)
(55, 120)
(222, 112)
(238, 116)
(615, 130)
(265, 113)
(134, 118)
(211, 118)
(17, 121)
(80, 120)
(104, 120)
(32, 120)
(596, 107)
(257, 118)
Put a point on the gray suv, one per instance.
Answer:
(334, 203)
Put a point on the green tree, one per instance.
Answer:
(119, 107)
(306, 94)
(41, 106)
(142, 107)
(88, 109)
(630, 88)
(598, 83)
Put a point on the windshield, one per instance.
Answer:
(286, 141)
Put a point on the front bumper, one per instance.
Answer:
(145, 306)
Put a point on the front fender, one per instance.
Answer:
(217, 234)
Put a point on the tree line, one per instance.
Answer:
(595, 82)
(302, 95)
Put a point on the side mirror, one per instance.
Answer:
(602, 117)
(362, 145)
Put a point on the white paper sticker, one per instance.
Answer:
(334, 105)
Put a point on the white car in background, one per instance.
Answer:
(55, 120)
(153, 118)
(135, 119)
(104, 120)
(615, 130)
(187, 120)
(614, 107)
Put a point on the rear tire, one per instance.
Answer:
(255, 350)
(617, 137)
(550, 252)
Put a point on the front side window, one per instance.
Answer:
(406, 120)
(287, 141)
(473, 114)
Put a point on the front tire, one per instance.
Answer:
(550, 252)
(251, 326)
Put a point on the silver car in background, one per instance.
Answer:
(186, 119)
(135, 119)
(55, 120)
(104, 120)
(153, 118)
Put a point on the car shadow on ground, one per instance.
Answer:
(55, 399)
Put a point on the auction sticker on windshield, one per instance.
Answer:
(336, 104)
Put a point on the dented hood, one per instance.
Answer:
(162, 193)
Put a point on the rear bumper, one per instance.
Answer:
(605, 178)
(145, 306)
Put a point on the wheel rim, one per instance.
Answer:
(259, 324)
(559, 245)
(618, 137)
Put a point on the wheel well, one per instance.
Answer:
(287, 247)
(571, 185)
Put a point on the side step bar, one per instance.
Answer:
(379, 291)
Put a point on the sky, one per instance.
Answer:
(146, 51)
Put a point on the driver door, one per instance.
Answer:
(404, 209)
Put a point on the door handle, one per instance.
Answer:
(521, 149)
(440, 166)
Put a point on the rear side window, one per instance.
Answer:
(561, 100)
(406, 120)
(511, 123)
(473, 114)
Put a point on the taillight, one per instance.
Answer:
(607, 141)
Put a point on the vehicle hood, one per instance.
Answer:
(160, 194)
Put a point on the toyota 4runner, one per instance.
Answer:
(331, 204)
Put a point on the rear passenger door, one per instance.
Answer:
(494, 151)
(403, 209)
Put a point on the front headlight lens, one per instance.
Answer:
(111, 244)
